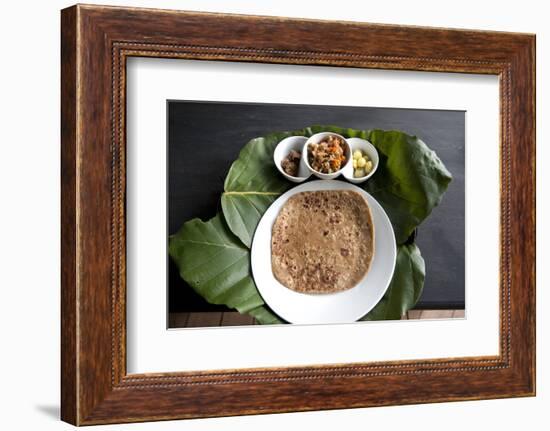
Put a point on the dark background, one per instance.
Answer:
(204, 138)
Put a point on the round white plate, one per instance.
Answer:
(340, 307)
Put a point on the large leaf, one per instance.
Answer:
(213, 256)
(251, 185)
(215, 263)
(410, 180)
(405, 287)
(411, 183)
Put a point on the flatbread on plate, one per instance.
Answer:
(322, 241)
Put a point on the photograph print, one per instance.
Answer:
(313, 214)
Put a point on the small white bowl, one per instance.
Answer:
(315, 139)
(283, 149)
(365, 147)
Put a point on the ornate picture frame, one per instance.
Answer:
(96, 41)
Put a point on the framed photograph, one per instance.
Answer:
(327, 214)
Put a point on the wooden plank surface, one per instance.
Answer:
(459, 314)
(236, 319)
(178, 320)
(204, 319)
(436, 314)
(233, 318)
(414, 314)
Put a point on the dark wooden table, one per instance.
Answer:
(205, 138)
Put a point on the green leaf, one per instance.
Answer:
(243, 211)
(213, 257)
(251, 186)
(217, 266)
(411, 183)
(410, 180)
(405, 288)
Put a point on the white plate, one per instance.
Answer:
(340, 307)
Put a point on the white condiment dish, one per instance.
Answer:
(283, 149)
(366, 148)
(316, 139)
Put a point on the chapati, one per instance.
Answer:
(322, 241)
